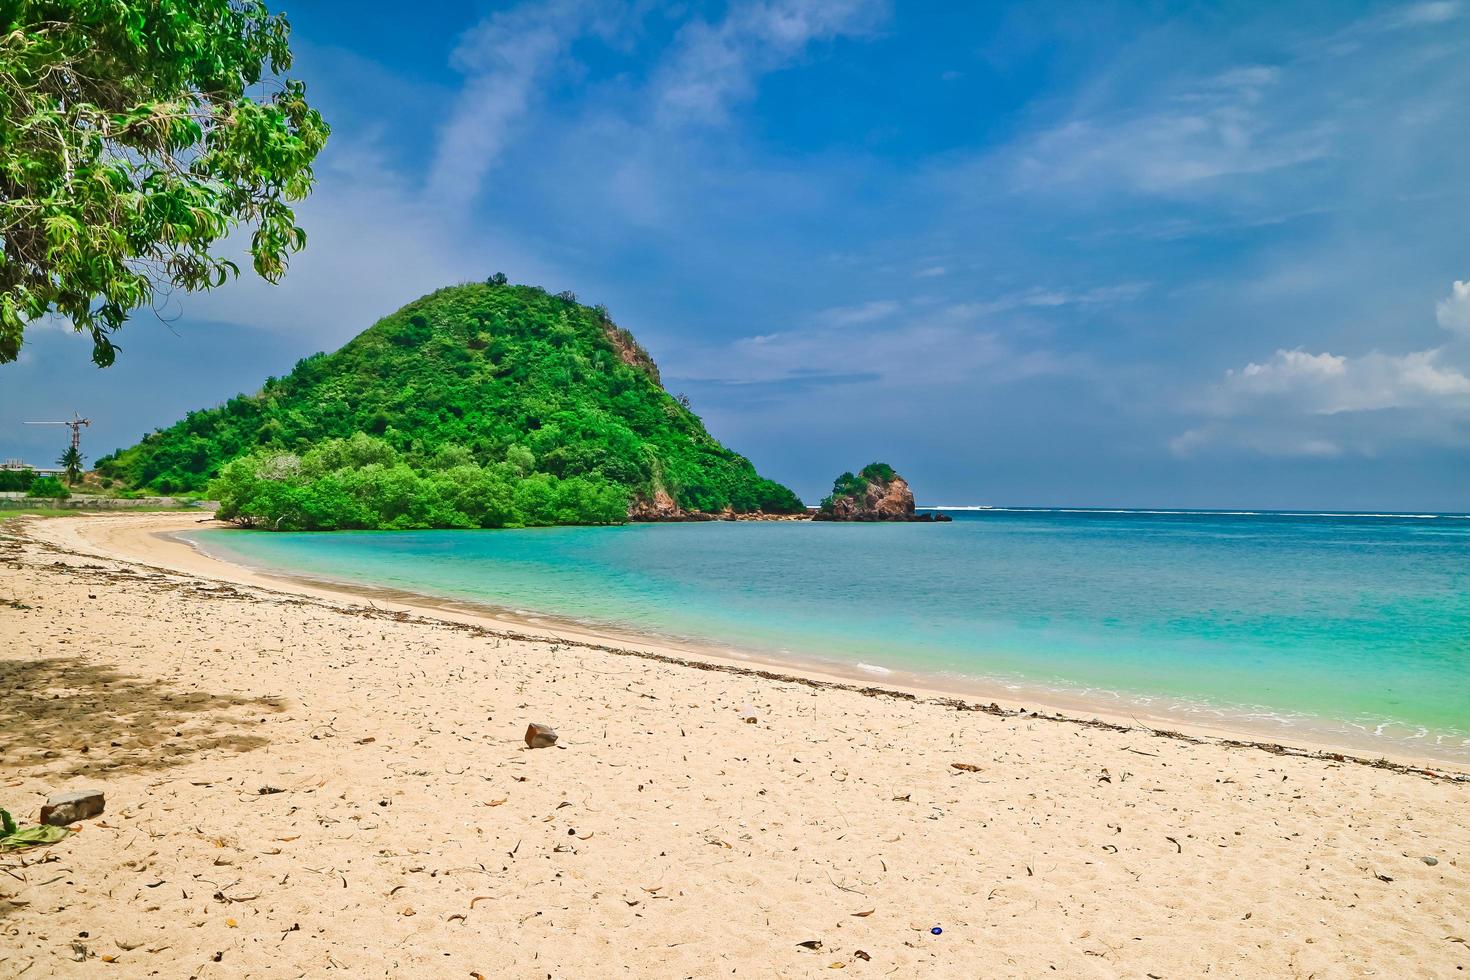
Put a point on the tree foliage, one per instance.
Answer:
(134, 135)
(509, 388)
(71, 464)
(363, 483)
(12, 481)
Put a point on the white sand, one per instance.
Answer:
(664, 836)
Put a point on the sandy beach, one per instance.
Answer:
(301, 781)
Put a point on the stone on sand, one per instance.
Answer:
(67, 808)
(540, 736)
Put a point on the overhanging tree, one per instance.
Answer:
(134, 136)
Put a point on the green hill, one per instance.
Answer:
(481, 405)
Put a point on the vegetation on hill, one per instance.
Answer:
(481, 405)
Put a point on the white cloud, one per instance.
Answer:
(931, 272)
(717, 64)
(1453, 312)
(1329, 384)
(506, 58)
(1317, 404)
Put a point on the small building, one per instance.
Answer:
(20, 464)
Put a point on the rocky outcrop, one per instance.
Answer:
(876, 493)
(661, 507)
(630, 352)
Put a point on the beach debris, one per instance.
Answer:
(268, 790)
(540, 736)
(1431, 861)
(748, 715)
(862, 955)
(864, 915)
(67, 808)
(813, 944)
(12, 836)
(935, 931)
(964, 767)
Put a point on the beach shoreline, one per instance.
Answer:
(155, 540)
(300, 780)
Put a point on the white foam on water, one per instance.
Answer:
(1193, 513)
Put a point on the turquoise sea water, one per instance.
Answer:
(1354, 627)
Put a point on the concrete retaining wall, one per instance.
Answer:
(10, 501)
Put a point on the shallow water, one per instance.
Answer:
(1319, 625)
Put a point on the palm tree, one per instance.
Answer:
(71, 464)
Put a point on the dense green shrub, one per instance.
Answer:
(12, 481)
(47, 486)
(361, 483)
(453, 403)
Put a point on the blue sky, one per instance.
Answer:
(1147, 254)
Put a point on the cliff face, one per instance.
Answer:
(876, 493)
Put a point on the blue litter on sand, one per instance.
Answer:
(935, 931)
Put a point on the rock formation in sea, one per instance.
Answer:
(876, 493)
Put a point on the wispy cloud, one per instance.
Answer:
(1432, 12)
(849, 316)
(716, 64)
(506, 58)
(1213, 128)
(920, 349)
(1044, 298)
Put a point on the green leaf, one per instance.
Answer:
(12, 837)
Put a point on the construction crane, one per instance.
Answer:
(76, 424)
